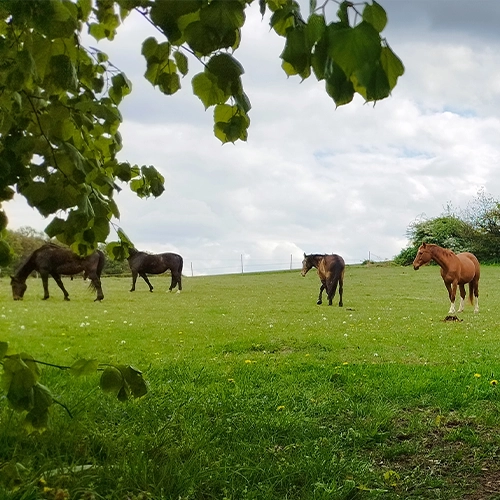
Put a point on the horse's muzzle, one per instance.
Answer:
(416, 267)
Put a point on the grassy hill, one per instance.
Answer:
(257, 392)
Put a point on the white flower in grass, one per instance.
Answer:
(123, 342)
(22, 327)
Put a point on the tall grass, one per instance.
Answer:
(255, 392)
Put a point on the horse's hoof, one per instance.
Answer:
(319, 302)
(45, 298)
(66, 299)
(341, 305)
(132, 290)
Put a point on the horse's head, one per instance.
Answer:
(423, 257)
(307, 264)
(18, 288)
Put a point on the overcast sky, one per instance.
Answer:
(312, 178)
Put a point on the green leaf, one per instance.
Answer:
(314, 29)
(136, 383)
(227, 70)
(338, 86)
(392, 65)
(354, 48)
(56, 226)
(167, 14)
(84, 367)
(6, 253)
(206, 87)
(375, 15)
(3, 349)
(296, 53)
(36, 419)
(230, 124)
(42, 397)
(182, 62)
(111, 380)
(343, 13)
(62, 72)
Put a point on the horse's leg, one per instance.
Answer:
(60, 284)
(452, 291)
(145, 278)
(174, 282)
(321, 288)
(45, 282)
(462, 298)
(134, 279)
(341, 290)
(96, 283)
(331, 289)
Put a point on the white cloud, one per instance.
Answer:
(311, 177)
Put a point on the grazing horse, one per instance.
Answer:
(456, 270)
(330, 271)
(53, 260)
(142, 262)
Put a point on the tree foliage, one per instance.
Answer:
(59, 101)
(25, 394)
(474, 229)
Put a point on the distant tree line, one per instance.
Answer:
(24, 241)
(474, 229)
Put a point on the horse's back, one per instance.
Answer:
(331, 265)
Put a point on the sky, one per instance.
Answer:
(312, 178)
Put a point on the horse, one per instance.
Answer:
(330, 271)
(54, 260)
(143, 262)
(456, 270)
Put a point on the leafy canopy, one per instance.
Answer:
(59, 101)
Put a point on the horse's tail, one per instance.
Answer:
(101, 263)
(473, 290)
(180, 265)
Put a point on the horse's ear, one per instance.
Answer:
(423, 245)
(304, 254)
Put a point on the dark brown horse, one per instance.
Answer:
(456, 270)
(143, 262)
(330, 271)
(53, 260)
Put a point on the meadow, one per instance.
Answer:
(255, 392)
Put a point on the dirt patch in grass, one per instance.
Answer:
(487, 485)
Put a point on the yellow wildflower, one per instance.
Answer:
(493, 382)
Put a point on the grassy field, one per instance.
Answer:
(255, 392)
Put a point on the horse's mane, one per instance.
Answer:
(444, 250)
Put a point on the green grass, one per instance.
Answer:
(255, 392)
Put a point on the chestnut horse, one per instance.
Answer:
(53, 260)
(330, 271)
(143, 262)
(456, 270)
